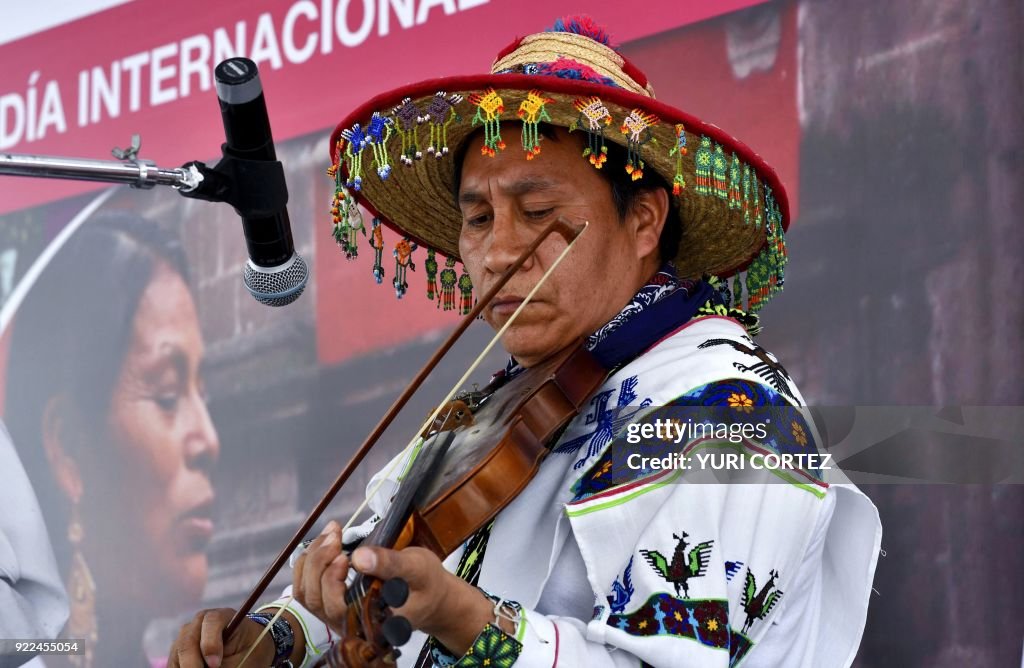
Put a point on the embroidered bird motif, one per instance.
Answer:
(685, 565)
(622, 591)
(767, 368)
(757, 606)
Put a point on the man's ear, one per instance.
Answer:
(55, 444)
(648, 214)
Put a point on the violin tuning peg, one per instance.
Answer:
(396, 630)
(394, 592)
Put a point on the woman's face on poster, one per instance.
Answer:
(165, 446)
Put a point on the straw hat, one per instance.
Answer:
(394, 156)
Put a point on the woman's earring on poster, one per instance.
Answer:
(81, 587)
(81, 593)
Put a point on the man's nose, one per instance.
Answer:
(509, 238)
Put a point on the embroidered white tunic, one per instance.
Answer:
(781, 571)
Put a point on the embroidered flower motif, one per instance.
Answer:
(740, 401)
(798, 433)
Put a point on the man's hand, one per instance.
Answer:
(200, 643)
(440, 604)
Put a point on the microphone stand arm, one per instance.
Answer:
(128, 169)
(252, 187)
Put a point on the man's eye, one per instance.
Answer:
(537, 214)
(476, 221)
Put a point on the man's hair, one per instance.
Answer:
(625, 191)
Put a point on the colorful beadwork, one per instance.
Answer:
(702, 166)
(448, 279)
(356, 140)
(407, 117)
(378, 133)
(489, 106)
(348, 220)
(735, 198)
(440, 114)
(377, 244)
(403, 262)
(637, 128)
(465, 292)
(493, 648)
(594, 117)
(746, 194)
(755, 198)
(532, 111)
(720, 167)
(679, 150)
(431, 267)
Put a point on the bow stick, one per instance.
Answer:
(570, 232)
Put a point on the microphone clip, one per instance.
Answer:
(255, 188)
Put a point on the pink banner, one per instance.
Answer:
(75, 91)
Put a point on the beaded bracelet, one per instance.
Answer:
(281, 633)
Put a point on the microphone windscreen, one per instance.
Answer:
(276, 286)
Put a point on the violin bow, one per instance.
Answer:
(571, 232)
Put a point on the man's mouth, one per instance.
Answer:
(505, 306)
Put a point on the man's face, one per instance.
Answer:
(506, 201)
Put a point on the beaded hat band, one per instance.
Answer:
(393, 156)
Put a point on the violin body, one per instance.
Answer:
(494, 458)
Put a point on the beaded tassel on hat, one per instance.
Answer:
(532, 111)
(448, 280)
(465, 292)
(679, 150)
(720, 168)
(403, 262)
(440, 114)
(746, 194)
(378, 133)
(637, 128)
(489, 106)
(431, 266)
(594, 117)
(702, 165)
(348, 222)
(735, 199)
(407, 117)
(377, 243)
(357, 141)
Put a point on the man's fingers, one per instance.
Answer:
(186, 653)
(316, 561)
(211, 642)
(409, 564)
(333, 590)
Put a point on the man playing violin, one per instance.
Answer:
(588, 566)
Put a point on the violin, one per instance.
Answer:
(480, 451)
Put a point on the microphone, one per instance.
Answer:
(275, 275)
